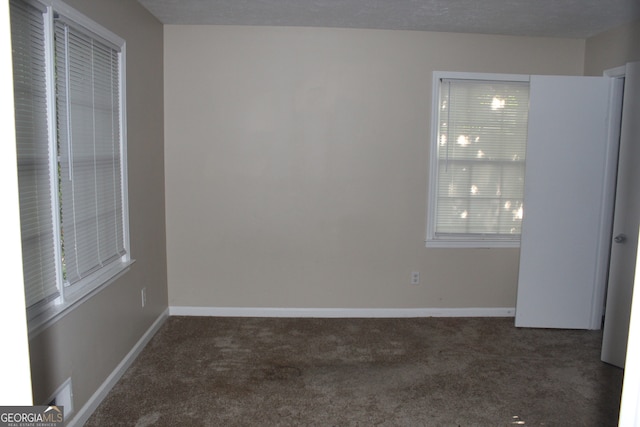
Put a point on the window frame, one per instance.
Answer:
(43, 314)
(461, 240)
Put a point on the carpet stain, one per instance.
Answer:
(281, 373)
(148, 419)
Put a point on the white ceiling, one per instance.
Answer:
(553, 18)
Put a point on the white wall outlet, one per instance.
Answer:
(415, 277)
(143, 296)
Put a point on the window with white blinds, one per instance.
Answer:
(36, 164)
(478, 160)
(68, 90)
(88, 129)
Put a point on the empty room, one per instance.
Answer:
(321, 213)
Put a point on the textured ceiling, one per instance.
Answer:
(554, 18)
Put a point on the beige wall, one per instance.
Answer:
(612, 49)
(296, 166)
(87, 344)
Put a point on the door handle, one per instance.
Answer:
(620, 238)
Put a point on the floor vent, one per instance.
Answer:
(63, 397)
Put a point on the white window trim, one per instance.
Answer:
(40, 317)
(51, 313)
(461, 241)
(86, 22)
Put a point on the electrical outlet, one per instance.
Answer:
(143, 296)
(415, 277)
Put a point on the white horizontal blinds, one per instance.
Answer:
(482, 135)
(88, 105)
(33, 152)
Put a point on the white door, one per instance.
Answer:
(566, 226)
(625, 225)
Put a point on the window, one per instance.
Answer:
(69, 105)
(477, 160)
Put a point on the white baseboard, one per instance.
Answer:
(341, 312)
(94, 401)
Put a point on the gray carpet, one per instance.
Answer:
(202, 371)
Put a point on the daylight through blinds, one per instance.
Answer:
(482, 134)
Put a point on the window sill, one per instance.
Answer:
(466, 243)
(47, 316)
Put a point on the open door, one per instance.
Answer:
(625, 225)
(567, 218)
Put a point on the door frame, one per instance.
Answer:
(620, 289)
(616, 95)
